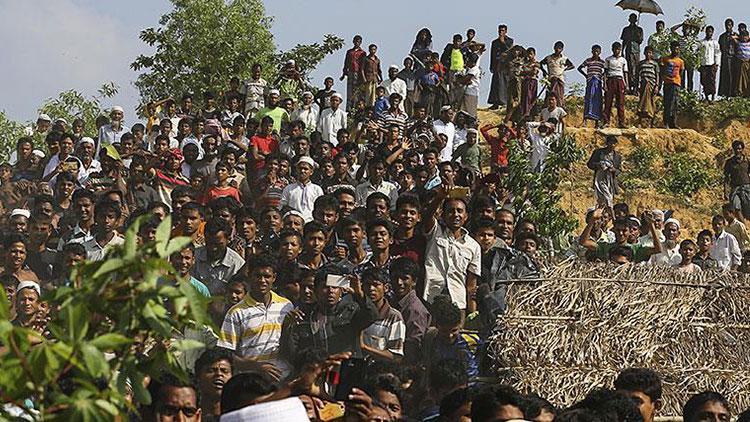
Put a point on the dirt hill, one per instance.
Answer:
(704, 139)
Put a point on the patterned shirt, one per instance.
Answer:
(594, 68)
(387, 332)
(253, 330)
(647, 71)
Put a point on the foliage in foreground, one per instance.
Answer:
(116, 306)
(536, 195)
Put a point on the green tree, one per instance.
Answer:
(72, 104)
(115, 307)
(201, 44)
(10, 131)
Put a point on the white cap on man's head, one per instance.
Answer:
(61, 120)
(445, 107)
(393, 66)
(21, 211)
(307, 94)
(307, 160)
(28, 284)
(337, 95)
(274, 92)
(44, 117)
(117, 108)
(86, 140)
(674, 221)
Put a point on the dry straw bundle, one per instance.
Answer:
(577, 326)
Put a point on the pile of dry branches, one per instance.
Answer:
(577, 326)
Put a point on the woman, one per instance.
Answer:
(530, 84)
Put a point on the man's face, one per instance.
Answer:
(84, 208)
(25, 150)
(28, 302)
(447, 174)
(502, 31)
(375, 290)
(377, 172)
(379, 238)
(39, 232)
(212, 378)
(353, 235)
(402, 284)
(687, 251)
(705, 243)
(709, 32)
(408, 216)
(235, 293)
(15, 256)
(294, 222)
(315, 242)
(290, 248)
(671, 232)
(327, 216)
(178, 404)
(66, 146)
(53, 147)
(216, 243)
(183, 261)
(261, 281)
(304, 171)
(272, 221)
(19, 224)
(273, 100)
(738, 149)
(209, 145)
(430, 160)
(449, 333)
(248, 228)
(712, 412)
(390, 402)
(718, 226)
(335, 102)
(622, 231)
(504, 225)
(328, 295)
(528, 246)
(106, 221)
(373, 49)
(485, 236)
(226, 215)
(377, 208)
(191, 219)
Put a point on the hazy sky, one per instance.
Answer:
(53, 45)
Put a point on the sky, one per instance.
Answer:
(54, 45)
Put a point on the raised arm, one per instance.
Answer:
(585, 238)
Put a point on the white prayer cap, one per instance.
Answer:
(61, 120)
(117, 108)
(274, 92)
(337, 95)
(86, 140)
(29, 285)
(38, 153)
(21, 211)
(658, 213)
(393, 66)
(290, 62)
(307, 160)
(44, 117)
(294, 213)
(674, 221)
(472, 130)
(445, 107)
(307, 94)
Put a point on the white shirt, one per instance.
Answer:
(364, 190)
(668, 257)
(473, 87)
(254, 91)
(301, 198)
(447, 263)
(53, 163)
(711, 53)
(459, 138)
(615, 66)
(330, 122)
(539, 146)
(108, 135)
(308, 116)
(558, 113)
(396, 86)
(96, 252)
(450, 131)
(726, 251)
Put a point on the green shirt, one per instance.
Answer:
(278, 114)
(470, 156)
(640, 252)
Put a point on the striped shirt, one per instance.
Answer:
(743, 50)
(647, 71)
(389, 118)
(594, 68)
(253, 330)
(387, 332)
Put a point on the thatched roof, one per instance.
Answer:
(578, 325)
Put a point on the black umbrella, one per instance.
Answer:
(641, 6)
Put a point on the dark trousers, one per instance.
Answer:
(687, 78)
(616, 94)
(671, 92)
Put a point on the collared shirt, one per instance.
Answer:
(353, 61)
(253, 330)
(370, 66)
(737, 171)
(301, 198)
(710, 53)
(254, 92)
(387, 332)
(726, 251)
(108, 135)
(388, 118)
(395, 86)
(450, 131)
(706, 263)
(96, 252)
(364, 190)
(308, 115)
(737, 229)
(77, 235)
(329, 123)
(278, 114)
(141, 196)
(416, 319)
(668, 257)
(448, 261)
(216, 275)
(615, 67)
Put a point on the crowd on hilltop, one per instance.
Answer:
(370, 232)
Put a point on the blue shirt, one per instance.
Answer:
(381, 105)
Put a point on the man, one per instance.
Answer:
(341, 177)
(404, 277)
(113, 131)
(736, 226)
(383, 339)
(710, 59)
(737, 179)
(40, 258)
(379, 237)
(644, 387)
(252, 328)
(445, 125)
(407, 240)
(83, 210)
(106, 214)
(498, 68)
(670, 255)
(726, 249)
(216, 263)
(335, 323)
(395, 85)
(497, 403)
(254, 90)
(351, 72)
(726, 47)
(370, 75)
(703, 257)
(654, 38)
(617, 73)
(632, 37)
(171, 399)
(307, 113)
(212, 371)
(706, 406)
(606, 164)
(671, 74)
(332, 119)
(376, 170)
(273, 109)
(323, 96)
(301, 195)
(347, 198)
(601, 248)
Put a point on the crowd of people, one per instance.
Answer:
(369, 232)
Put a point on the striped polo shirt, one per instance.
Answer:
(253, 330)
(387, 332)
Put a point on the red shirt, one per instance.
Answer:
(217, 192)
(266, 145)
(498, 144)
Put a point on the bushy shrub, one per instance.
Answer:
(685, 175)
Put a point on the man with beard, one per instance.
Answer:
(212, 370)
(670, 255)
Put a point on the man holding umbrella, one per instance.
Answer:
(632, 38)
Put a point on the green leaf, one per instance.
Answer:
(140, 393)
(162, 236)
(187, 344)
(110, 341)
(94, 360)
(108, 266)
(4, 306)
(107, 407)
(176, 244)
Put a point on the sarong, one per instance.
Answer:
(499, 88)
(557, 87)
(647, 100)
(726, 79)
(592, 100)
(604, 186)
(743, 78)
(708, 79)
(528, 96)
(514, 99)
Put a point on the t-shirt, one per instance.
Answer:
(556, 66)
(616, 67)
(278, 114)
(672, 69)
(647, 71)
(265, 145)
(594, 68)
(457, 60)
(639, 251)
(473, 87)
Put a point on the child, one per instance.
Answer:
(541, 134)
(530, 84)
(671, 73)
(516, 61)
(470, 81)
(687, 252)
(592, 100)
(469, 154)
(616, 71)
(381, 102)
(222, 187)
(384, 338)
(553, 111)
(557, 65)
(648, 75)
(404, 274)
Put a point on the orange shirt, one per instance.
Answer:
(672, 68)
